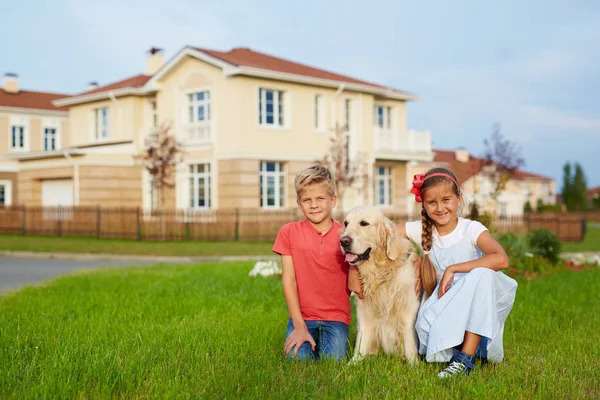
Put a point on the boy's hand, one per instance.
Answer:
(296, 339)
(418, 283)
(354, 282)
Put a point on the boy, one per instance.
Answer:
(314, 272)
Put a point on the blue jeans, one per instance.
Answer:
(331, 338)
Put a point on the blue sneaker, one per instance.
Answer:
(461, 364)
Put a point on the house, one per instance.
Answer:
(474, 177)
(593, 197)
(248, 121)
(29, 123)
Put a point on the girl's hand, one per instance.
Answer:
(446, 281)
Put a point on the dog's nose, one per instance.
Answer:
(346, 241)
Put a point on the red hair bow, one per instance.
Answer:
(416, 189)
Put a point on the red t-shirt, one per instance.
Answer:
(321, 270)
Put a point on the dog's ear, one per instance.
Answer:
(393, 247)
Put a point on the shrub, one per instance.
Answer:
(544, 243)
(515, 246)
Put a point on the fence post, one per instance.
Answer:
(139, 224)
(558, 227)
(59, 215)
(98, 221)
(186, 217)
(236, 232)
(23, 220)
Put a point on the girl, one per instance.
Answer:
(466, 299)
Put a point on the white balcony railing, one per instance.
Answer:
(197, 134)
(403, 144)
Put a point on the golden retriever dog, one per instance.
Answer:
(386, 315)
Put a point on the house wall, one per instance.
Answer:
(125, 120)
(238, 137)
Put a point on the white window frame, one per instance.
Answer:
(46, 140)
(101, 124)
(279, 177)
(319, 109)
(197, 132)
(383, 181)
(194, 176)
(21, 144)
(7, 185)
(385, 121)
(280, 107)
(348, 105)
(153, 114)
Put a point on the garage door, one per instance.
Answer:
(58, 192)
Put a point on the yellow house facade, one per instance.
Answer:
(248, 122)
(29, 123)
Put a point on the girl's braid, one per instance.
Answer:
(428, 274)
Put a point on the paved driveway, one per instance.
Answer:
(16, 272)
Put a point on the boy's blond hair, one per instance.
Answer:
(314, 174)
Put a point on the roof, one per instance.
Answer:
(32, 100)
(593, 191)
(246, 57)
(465, 170)
(244, 61)
(131, 82)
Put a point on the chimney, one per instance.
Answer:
(11, 83)
(91, 86)
(462, 155)
(154, 61)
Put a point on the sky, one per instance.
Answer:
(530, 66)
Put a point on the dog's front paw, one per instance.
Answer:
(355, 360)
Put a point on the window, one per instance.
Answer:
(153, 194)
(383, 117)
(154, 113)
(319, 116)
(198, 118)
(101, 116)
(5, 193)
(200, 186)
(17, 139)
(501, 209)
(272, 183)
(199, 107)
(347, 114)
(383, 186)
(270, 107)
(50, 139)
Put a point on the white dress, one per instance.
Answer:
(478, 301)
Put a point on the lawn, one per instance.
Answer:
(591, 241)
(212, 331)
(115, 246)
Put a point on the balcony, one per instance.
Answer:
(409, 145)
(197, 134)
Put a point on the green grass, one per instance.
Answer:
(212, 331)
(591, 241)
(115, 246)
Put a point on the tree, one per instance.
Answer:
(574, 190)
(567, 189)
(501, 160)
(527, 208)
(160, 157)
(345, 173)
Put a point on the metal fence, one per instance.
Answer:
(220, 225)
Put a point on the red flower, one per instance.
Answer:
(571, 263)
(512, 271)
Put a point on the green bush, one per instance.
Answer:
(515, 246)
(544, 243)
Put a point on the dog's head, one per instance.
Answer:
(367, 231)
